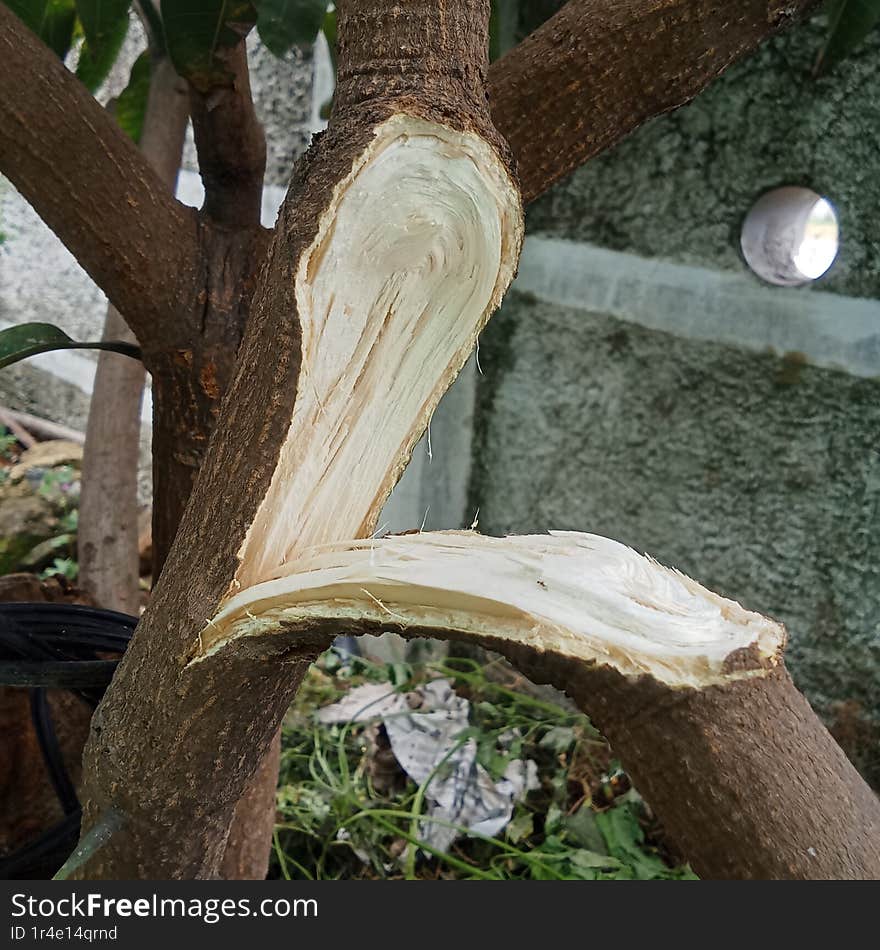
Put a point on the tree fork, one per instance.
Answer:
(398, 238)
(55, 140)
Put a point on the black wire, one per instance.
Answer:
(61, 674)
(58, 775)
(56, 646)
(42, 857)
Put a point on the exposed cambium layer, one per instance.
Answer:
(412, 256)
(576, 595)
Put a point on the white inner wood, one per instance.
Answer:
(415, 252)
(566, 592)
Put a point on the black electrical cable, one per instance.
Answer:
(41, 716)
(57, 646)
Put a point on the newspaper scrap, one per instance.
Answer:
(425, 728)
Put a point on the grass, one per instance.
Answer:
(346, 811)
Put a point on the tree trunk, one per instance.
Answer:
(398, 238)
(107, 536)
(248, 846)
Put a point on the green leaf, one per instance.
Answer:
(51, 20)
(502, 27)
(583, 829)
(197, 31)
(849, 22)
(624, 839)
(590, 860)
(97, 55)
(101, 20)
(521, 827)
(131, 106)
(283, 24)
(558, 739)
(29, 339)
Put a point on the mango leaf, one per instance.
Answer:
(502, 27)
(131, 106)
(284, 23)
(51, 20)
(104, 38)
(849, 22)
(29, 339)
(624, 837)
(196, 31)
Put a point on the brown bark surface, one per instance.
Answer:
(744, 777)
(92, 186)
(231, 145)
(598, 69)
(191, 370)
(246, 857)
(211, 724)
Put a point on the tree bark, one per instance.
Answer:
(192, 357)
(92, 186)
(599, 69)
(107, 536)
(246, 857)
(174, 826)
(745, 777)
(231, 145)
(192, 367)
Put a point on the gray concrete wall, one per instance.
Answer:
(642, 384)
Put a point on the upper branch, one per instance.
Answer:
(231, 145)
(598, 69)
(92, 186)
(375, 62)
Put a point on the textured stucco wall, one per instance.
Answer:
(758, 474)
(680, 186)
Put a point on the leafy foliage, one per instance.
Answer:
(849, 22)
(105, 25)
(197, 32)
(131, 106)
(52, 20)
(29, 339)
(66, 566)
(502, 27)
(284, 23)
(341, 816)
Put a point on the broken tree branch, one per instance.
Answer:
(690, 688)
(598, 69)
(92, 186)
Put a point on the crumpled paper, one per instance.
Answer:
(424, 727)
